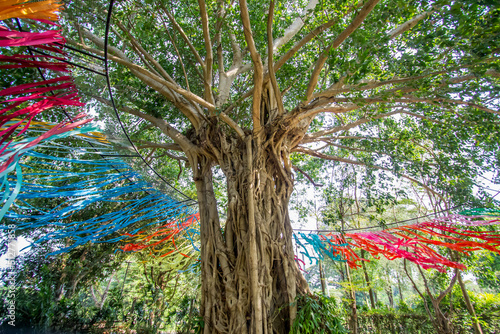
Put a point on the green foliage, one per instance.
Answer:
(487, 270)
(92, 288)
(487, 308)
(410, 316)
(387, 320)
(317, 314)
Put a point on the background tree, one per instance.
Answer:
(406, 89)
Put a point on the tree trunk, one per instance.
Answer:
(368, 282)
(401, 299)
(353, 318)
(388, 288)
(390, 296)
(470, 307)
(439, 319)
(249, 276)
(322, 277)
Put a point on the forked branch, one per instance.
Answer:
(257, 64)
(166, 128)
(313, 81)
(183, 35)
(207, 69)
(270, 62)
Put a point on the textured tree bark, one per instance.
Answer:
(249, 275)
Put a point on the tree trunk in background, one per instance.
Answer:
(388, 288)
(390, 296)
(353, 318)
(367, 280)
(401, 299)
(249, 276)
(470, 307)
(322, 277)
(439, 320)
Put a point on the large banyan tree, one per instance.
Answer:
(258, 89)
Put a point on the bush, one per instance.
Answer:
(387, 320)
(317, 314)
(487, 307)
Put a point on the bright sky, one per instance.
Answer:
(21, 245)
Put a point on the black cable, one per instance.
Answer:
(68, 62)
(80, 51)
(108, 22)
(106, 74)
(64, 109)
(378, 226)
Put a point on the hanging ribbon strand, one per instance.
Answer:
(44, 11)
(24, 102)
(10, 38)
(20, 61)
(78, 185)
(416, 243)
(62, 181)
(12, 153)
(67, 96)
(160, 242)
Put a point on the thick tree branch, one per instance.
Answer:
(166, 128)
(183, 35)
(307, 38)
(257, 64)
(226, 79)
(416, 289)
(139, 47)
(229, 121)
(237, 56)
(295, 27)
(409, 24)
(313, 81)
(159, 84)
(450, 286)
(289, 33)
(322, 107)
(207, 69)
(177, 52)
(270, 62)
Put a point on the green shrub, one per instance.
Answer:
(388, 320)
(317, 314)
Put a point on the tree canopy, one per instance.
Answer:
(409, 88)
